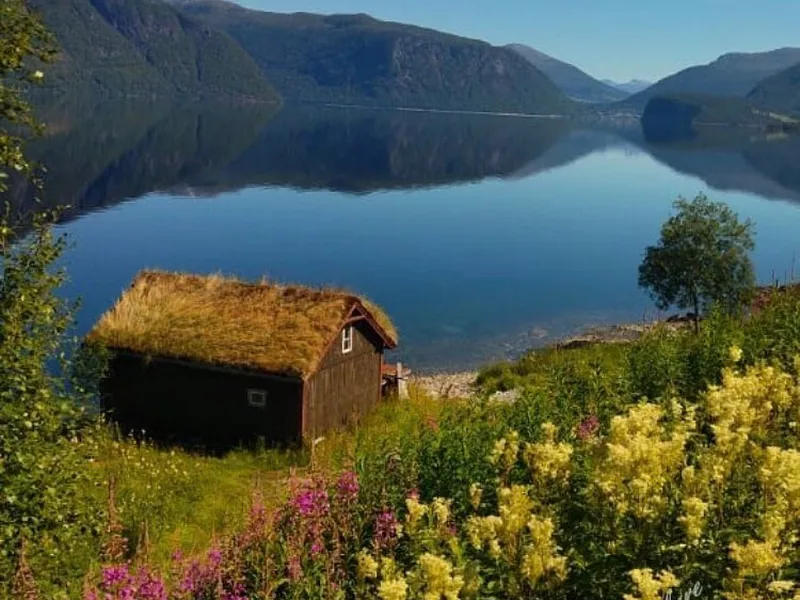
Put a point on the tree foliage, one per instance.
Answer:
(44, 477)
(701, 259)
(23, 41)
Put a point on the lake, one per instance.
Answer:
(480, 235)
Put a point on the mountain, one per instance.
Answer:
(729, 75)
(676, 117)
(124, 48)
(634, 86)
(570, 79)
(355, 59)
(781, 92)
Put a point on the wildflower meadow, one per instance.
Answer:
(584, 487)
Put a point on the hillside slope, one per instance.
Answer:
(575, 83)
(729, 75)
(355, 59)
(781, 92)
(124, 48)
(675, 117)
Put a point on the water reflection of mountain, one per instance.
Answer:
(728, 160)
(108, 156)
(97, 158)
(736, 159)
(360, 151)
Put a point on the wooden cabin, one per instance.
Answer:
(212, 358)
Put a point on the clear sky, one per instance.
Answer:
(615, 39)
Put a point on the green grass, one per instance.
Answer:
(187, 500)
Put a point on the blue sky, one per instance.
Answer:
(617, 39)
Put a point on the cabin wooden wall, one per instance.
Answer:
(190, 403)
(346, 386)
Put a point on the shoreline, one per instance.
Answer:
(460, 383)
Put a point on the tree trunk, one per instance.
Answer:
(696, 315)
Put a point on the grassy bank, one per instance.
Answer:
(674, 453)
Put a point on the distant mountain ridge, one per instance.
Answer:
(574, 82)
(634, 86)
(734, 74)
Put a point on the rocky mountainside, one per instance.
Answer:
(355, 59)
(125, 48)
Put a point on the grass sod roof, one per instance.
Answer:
(224, 321)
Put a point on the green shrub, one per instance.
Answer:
(46, 487)
(773, 333)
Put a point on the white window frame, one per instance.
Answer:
(347, 339)
(257, 398)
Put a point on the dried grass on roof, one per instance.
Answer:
(224, 321)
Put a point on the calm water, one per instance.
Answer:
(481, 236)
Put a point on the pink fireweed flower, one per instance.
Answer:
(311, 502)
(114, 576)
(149, 586)
(386, 528)
(347, 487)
(588, 428)
(214, 557)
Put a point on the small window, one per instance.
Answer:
(257, 398)
(347, 339)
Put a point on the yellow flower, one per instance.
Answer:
(780, 587)
(640, 459)
(367, 566)
(505, 452)
(649, 586)
(735, 354)
(437, 579)
(693, 518)
(756, 558)
(389, 568)
(416, 511)
(515, 509)
(541, 558)
(393, 589)
(495, 551)
(549, 461)
(475, 494)
(743, 407)
(780, 476)
(482, 530)
(441, 511)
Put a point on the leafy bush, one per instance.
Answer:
(773, 333)
(45, 485)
